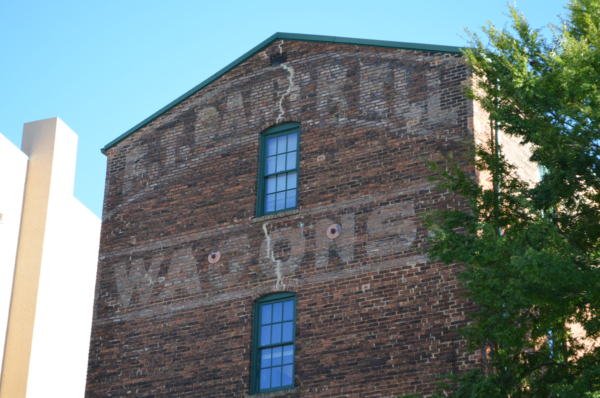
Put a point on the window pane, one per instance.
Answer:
(265, 358)
(271, 184)
(292, 142)
(271, 146)
(265, 334)
(277, 356)
(280, 201)
(276, 377)
(288, 354)
(276, 338)
(280, 163)
(291, 161)
(277, 307)
(290, 200)
(270, 203)
(288, 377)
(281, 144)
(266, 314)
(271, 165)
(265, 378)
(281, 182)
(288, 310)
(292, 179)
(287, 331)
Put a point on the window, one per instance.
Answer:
(279, 161)
(274, 343)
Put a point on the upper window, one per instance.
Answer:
(274, 343)
(279, 161)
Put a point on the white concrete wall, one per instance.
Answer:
(50, 319)
(65, 301)
(13, 170)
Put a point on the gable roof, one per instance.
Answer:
(291, 37)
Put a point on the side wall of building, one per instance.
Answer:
(517, 154)
(65, 297)
(52, 295)
(375, 316)
(13, 166)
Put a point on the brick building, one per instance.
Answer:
(262, 234)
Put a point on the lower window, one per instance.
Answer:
(274, 343)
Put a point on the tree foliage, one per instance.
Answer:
(531, 252)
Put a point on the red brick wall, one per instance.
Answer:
(375, 317)
(512, 148)
(518, 155)
(482, 134)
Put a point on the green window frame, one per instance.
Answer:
(279, 169)
(274, 343)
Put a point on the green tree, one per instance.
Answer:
(531, 253)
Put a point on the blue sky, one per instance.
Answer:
(102, 67)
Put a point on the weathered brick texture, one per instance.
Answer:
(376, 317)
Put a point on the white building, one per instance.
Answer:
(48, 258)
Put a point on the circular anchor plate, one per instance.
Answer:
(214, 256)
(333, 231)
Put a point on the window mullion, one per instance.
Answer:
(276, 344)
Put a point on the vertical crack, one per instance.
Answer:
(271, 256)
(290, 71)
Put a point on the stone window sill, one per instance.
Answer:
(292, 392)
(275, 216)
